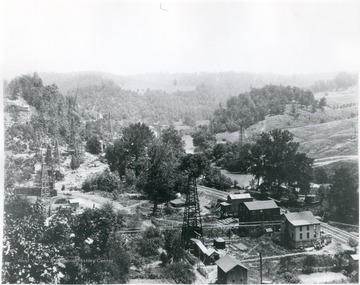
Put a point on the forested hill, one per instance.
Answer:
(153, 106)
(248, 108)
(166, 97)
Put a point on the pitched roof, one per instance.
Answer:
(239, 196)
(301, 218)
(261, 205)
(226, 263)
(200, 245)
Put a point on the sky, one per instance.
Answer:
(132, 37)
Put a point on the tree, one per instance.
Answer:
(322, 103)
(194, 165)
(321, 175)
(172, 138)
(213, 178)
(353, 243)
(75, 162)
(203, 138)
(181, 272)
(130, 150)
(343, 197)
(173, 245)
(161, 175)
(106, 181)
(276, 159)
(93, 145)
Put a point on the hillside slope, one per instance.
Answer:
(331, 132)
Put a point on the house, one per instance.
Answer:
(206, 255)
(257, 211)
(300, 229)
(231, 271)
(235, 201)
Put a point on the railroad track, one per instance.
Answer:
(338, 234)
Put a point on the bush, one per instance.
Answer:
(309, 263)
(93, 145)
(291, 278)
(106, 181)
(181, 272)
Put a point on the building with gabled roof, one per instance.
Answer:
(257, 211)
(300, 229)
(231, 271)
(232, 206)
(206, 255)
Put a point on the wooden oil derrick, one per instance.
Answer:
(110, 126)
(45, 189)
(192, 224)
(56, 154)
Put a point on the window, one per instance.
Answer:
(300, 236)
(307, 228)
(300, 229)
(307, 235)
(314, 234)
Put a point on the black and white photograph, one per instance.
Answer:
(179, 142)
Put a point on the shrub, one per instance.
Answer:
(106, 181)
(309, 263)
(93, 145)
(291, 278)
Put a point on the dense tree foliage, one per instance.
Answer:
(275, 158)
(181, 272)
(63, 248)
(54, 112)
(251, 107)
(341, 202)
(194, 165)
(214, 179)
(105, 181)
(161, 174)
(203, 139)
(128, 152)
(93, 145)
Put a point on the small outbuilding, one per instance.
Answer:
(219, 243)
(231, 271)
(206, 255)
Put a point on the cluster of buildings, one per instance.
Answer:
(298, 229)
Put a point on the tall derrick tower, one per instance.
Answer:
(45, 189)
(192, 224)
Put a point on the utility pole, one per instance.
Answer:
(261, 278)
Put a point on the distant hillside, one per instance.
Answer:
(226, 84)
(330, 132)
(165, 97)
